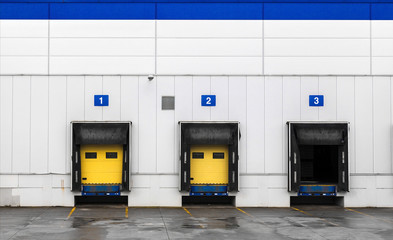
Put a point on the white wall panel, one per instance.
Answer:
(346, 112)
(58, 152)
(292, 96)
(102, 47)
(317, 47)
(317, 29)
(209, 28)
(209, 47)
(328, 88)
(39, 124)
(9, 181)
(210, 65)
(130, 112)
(382, 65)
(24, 28)
(255, 125)
(21, 124)
(382, 29)
(147, 125)
(200, 86)
(23, 65)
(6, 122)
(24, 46)
(183, 109)
(75, 105)
(238, 112)
(273, 124)
(291, 111)
(364, 124)
(316, 65)
(101, 65)
(309, 86)
(382, 47)
(99, 28)
(93, 86)
(165, 127)
(111, 87)
(219, 87)
(75, 108)
(382, 124)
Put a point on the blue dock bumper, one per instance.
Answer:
(317, 190)
(209, 190)
(101, 190)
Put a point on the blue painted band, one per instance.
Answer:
(344, 10)
(24, 11)
(210, 11)
(316, 11)
(196, 1)
(101, 11)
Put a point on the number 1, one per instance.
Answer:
(100, 100)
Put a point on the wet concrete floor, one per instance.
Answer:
(120, 222)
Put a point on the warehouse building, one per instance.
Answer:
(162, 103)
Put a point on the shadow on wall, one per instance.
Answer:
(7, 199)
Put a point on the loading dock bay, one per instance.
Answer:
(121, 222)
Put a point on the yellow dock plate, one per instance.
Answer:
(206, 169)
(100, 164)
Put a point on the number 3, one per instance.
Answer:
(208, 100)
(316, 100)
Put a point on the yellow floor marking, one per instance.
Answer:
(126, 212)
(185, 209)
(365, 214)
(244, 212)
(72, 211)
(308, 214)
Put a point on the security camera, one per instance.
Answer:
(150, 77)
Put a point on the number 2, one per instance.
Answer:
(208, 100)
(100, 100)
(316, 100)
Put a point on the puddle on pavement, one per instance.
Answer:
(218, 223)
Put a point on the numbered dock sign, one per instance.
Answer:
(208, 100)
(101, 100)
(316, 101)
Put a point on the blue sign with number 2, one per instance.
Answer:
(316, 101)
(208, 100)
(101, 100)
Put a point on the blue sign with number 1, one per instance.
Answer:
(101, 100)
(208, 100)
(316, 101)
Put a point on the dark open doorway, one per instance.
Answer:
(319, 164)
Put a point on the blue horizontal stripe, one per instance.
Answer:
(382, 11)
(24, 11)
(102, 11)
(197, 1)
(317, 11)
(204, 11)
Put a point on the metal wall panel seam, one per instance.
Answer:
(31, 86)
(391, 132)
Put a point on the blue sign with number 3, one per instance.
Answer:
(101, 100)
(316, 101)
(208, 100)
